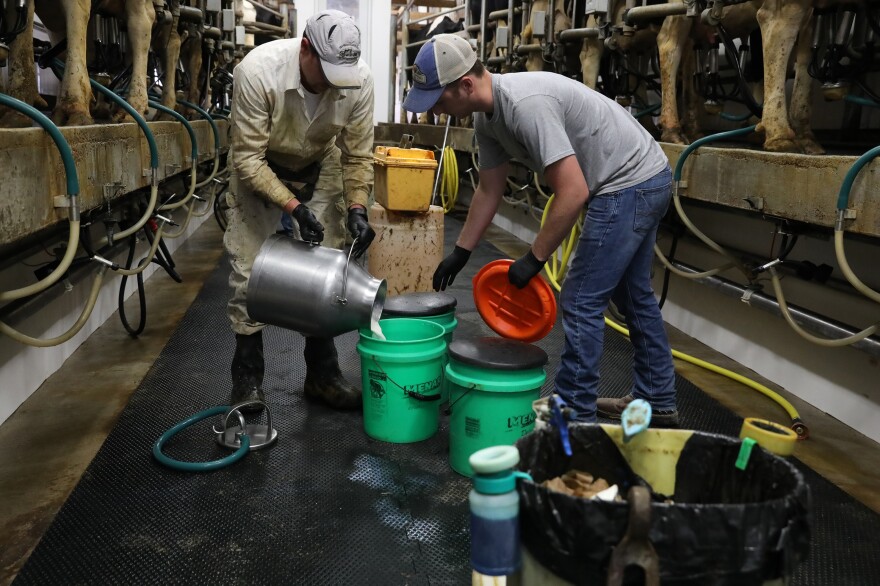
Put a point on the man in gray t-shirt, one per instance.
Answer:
(592, 153)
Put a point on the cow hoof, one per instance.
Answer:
(811, 147)
(782, 145)
(674, 136)
(80, 119)
(15, 120)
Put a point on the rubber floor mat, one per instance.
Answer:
(326, 504)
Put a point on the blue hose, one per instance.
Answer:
(199, 466)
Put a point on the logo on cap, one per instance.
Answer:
(419, 76)
(348, 54)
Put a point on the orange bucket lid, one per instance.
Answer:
(526, 314)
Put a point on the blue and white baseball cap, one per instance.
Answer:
(442, 60)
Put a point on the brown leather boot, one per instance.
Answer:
(247, 371)
(324, 380)
(612, 408)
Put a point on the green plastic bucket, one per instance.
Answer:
(401, 378)
(448, 322)
(490, 402)
(436, 307)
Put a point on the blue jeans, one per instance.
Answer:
(613, 261)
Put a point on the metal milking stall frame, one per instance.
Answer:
(135, 186)
(842, 55)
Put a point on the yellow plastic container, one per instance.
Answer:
(404, 178)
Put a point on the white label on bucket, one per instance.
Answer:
(377, 330)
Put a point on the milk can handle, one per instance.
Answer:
(341, 299)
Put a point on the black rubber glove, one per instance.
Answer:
(449, 267)
(360, 229)
(310, 229)
(523, 269)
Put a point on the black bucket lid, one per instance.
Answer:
(497, 353)
(419, 304)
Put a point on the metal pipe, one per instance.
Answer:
(506, 13)
(190, 14)
(267, 9)
(577, 34)
(820, 325)
(417, 44)
(441, 13)
(496, 60)
(265, 27)
(551, 21)
(641, 14)
(510, 13)
(483, 21)
(526, 49)
(392, 61)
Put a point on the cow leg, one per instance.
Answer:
(166, 42)
(780, 22)
(22, 75)
(194, 67)
(671, 40)
(591, 57)
(691, 101)
(800, 110)
(140, 16)
(75, 94)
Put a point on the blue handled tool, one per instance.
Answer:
(635, 419)
(557, 418)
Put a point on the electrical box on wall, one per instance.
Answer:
(228, 20)
(539, 23)
(592, 6)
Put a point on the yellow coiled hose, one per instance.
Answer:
(449, 180)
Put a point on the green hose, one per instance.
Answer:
(207, 117)
(843, 196)
(736, 117)
(706, 139)
(646, 111)
(57, 137)
(199, 466)
(185, 122)
(861, 101)
(154, 150)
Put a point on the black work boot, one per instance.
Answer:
(247, 371)
(324, 380)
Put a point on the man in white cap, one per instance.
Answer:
(592, 153)
(302, 131)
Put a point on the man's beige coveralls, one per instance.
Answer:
(270, 121)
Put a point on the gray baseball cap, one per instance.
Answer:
(337, 40)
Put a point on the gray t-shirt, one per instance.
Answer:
(540, 118)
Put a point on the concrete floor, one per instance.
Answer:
(51, 439)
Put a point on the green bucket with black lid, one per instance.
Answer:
(492, 383)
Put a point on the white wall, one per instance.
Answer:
(374, 20)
